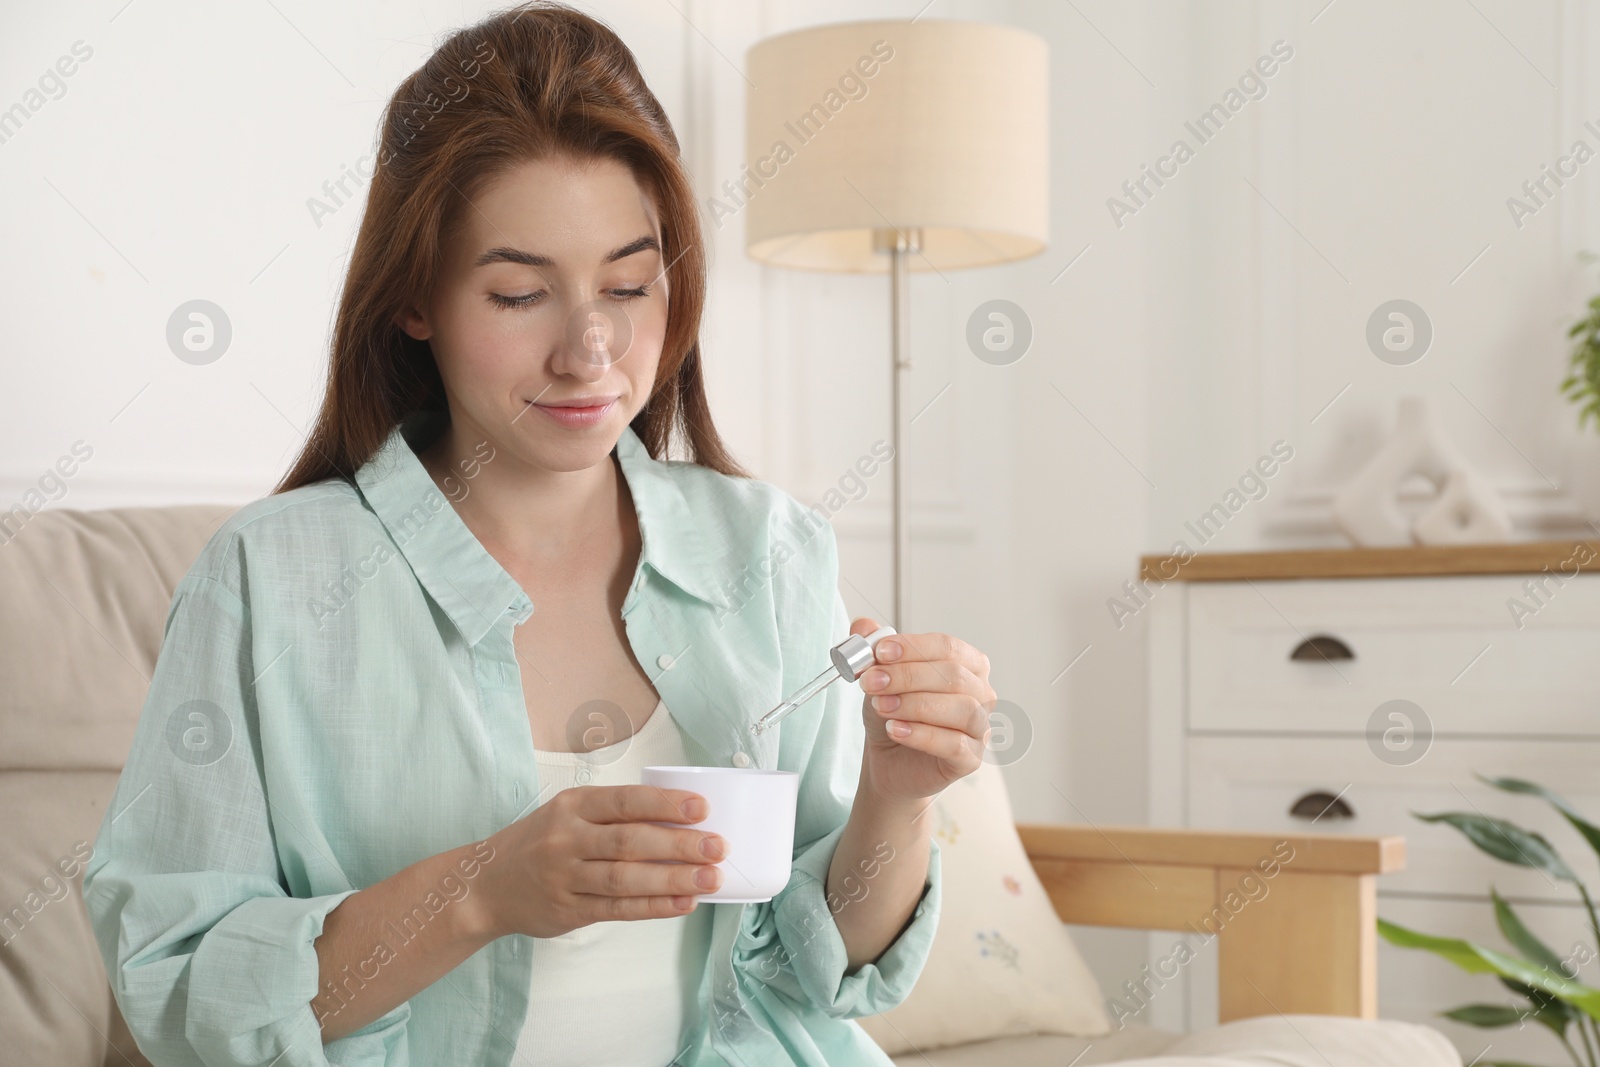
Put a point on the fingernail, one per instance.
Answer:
(886, 703)
(898, 728)
(695, 809)
(706, 878)
(888, 649)
(875, 679)
(712, 848)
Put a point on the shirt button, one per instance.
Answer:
(665, 661)
(583, 776)
(741, 759)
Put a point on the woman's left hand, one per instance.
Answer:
(935, 687)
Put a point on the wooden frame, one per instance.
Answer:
(1294, 916)
(1567, 558)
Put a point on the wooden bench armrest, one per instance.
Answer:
(1293, 916)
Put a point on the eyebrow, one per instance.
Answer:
(533, 259)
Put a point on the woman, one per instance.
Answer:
(345, 832)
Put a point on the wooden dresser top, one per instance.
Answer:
(1567, 557)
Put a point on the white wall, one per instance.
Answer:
(178, 165)
(1377, 167)
(1225, 314)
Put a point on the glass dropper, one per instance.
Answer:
(851, 658)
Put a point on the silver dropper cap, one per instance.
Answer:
(853, 655)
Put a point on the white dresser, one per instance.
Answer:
(1338, 691)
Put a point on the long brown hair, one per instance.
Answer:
(528, 82)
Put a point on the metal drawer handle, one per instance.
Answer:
(1322, 648)
(1316, 804)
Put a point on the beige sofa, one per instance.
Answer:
(83, 601)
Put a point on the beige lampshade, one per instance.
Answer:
(856, 126)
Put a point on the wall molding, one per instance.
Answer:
(89, 489)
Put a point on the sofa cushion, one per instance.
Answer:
(55, 1005)
(1267, 1041)
(1298, 1040)
(83, 606)
(1046, 1050)
(1002, 962)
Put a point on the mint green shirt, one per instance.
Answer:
(337, 697)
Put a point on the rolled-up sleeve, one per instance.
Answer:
(210, 957)
(817, 953)
(792, 943)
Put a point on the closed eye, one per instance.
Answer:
(515, 301)
(529, 299)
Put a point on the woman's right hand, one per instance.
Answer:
(582, 857)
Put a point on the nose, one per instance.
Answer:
(597, 334)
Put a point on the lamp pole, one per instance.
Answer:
(900, 245)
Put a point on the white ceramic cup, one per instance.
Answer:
(753, 811)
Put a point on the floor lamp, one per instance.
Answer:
(893, 146)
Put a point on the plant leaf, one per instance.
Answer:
(1550, 1012)
(1507, 842)
(1486, 1016)
(1475, 959)
(1523, 939)
(1590, 832)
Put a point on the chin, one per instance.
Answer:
(563, 450)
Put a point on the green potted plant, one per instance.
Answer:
(1582, 383)
(1544, 984)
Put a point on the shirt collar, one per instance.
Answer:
(674, 545)
(469, 584)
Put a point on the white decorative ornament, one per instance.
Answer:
(1466, 510)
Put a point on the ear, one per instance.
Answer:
(414, 324)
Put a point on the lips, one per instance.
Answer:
(581, 403)
(579, 412)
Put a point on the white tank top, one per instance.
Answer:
(620, 993)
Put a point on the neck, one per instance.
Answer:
(525, 513)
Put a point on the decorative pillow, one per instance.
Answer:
(1002, 962)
